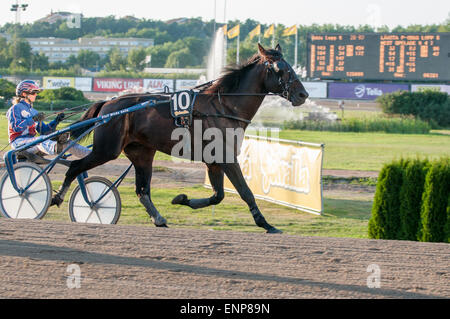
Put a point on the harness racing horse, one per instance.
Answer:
(230, 102)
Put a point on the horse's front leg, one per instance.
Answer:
(215, 174)
(77, 167)
(234, 173)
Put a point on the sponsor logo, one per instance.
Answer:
(361, 91)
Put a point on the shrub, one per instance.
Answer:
(65, 94)
(385, 220)
(7, 89)
(435, 203)
(411, 198)
(447, 226)
(427, 105)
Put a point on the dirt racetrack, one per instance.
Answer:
(147, 262)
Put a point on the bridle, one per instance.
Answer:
(285, 85)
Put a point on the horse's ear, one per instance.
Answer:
(278, 48)
(261, 50)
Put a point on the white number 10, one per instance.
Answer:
(181, 101)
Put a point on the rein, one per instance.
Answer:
(204, 115)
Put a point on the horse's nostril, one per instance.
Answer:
(304, 95)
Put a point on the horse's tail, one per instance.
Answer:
(89, 114)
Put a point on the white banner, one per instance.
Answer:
(433, 87)
(157, 85)
(181, 85)
(83, 84)
(316, 89)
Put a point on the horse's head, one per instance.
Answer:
(281, 78)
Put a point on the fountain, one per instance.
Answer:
(216, 58)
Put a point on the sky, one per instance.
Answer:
(288, 12)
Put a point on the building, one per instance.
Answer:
(59, 49)
(54, 17)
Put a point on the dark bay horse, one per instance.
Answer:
(230, 102)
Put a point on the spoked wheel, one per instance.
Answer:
(32, 204)
(106, 211)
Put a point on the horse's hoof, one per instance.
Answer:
(273, 230)
(56, 200)
(163, 226)
(181, 199)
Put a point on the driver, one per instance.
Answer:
(24, 122)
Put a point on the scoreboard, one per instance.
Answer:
(380, 56)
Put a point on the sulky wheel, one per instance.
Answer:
(107, 211)
(34, 202)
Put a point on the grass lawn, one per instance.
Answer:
(370, 151)
(343, 217)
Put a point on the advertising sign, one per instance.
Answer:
(157, 85)
(432, 87)
(50, 83)
(362, 91)
(285, 172)
(316, 89)
(83, 84)
(115, 85)
(181, 85)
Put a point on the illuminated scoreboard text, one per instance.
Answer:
(380, 56)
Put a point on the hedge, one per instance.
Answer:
(412, 201)
(435, 202)
(411, 197)
(387, 125)
(385, 220)
(428, 105)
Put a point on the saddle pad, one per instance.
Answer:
(182, 104)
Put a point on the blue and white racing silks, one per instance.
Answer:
(21, 123)
(22, 128)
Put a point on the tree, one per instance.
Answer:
(20, 53)
(88, 59)
(116, 61)
(180, 59)
(7, 89)
(5, 59)
(39, 61)
(136, 59)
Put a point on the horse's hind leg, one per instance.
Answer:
(142, 159)
(215, 174)
(234, 173)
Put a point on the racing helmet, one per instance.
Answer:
(27, 86)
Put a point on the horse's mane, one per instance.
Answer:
(229, 81)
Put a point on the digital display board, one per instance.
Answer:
(379, 56)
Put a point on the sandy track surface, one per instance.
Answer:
(147, 262)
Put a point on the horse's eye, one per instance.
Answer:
(277, 67)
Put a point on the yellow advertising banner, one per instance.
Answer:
(281, 171)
